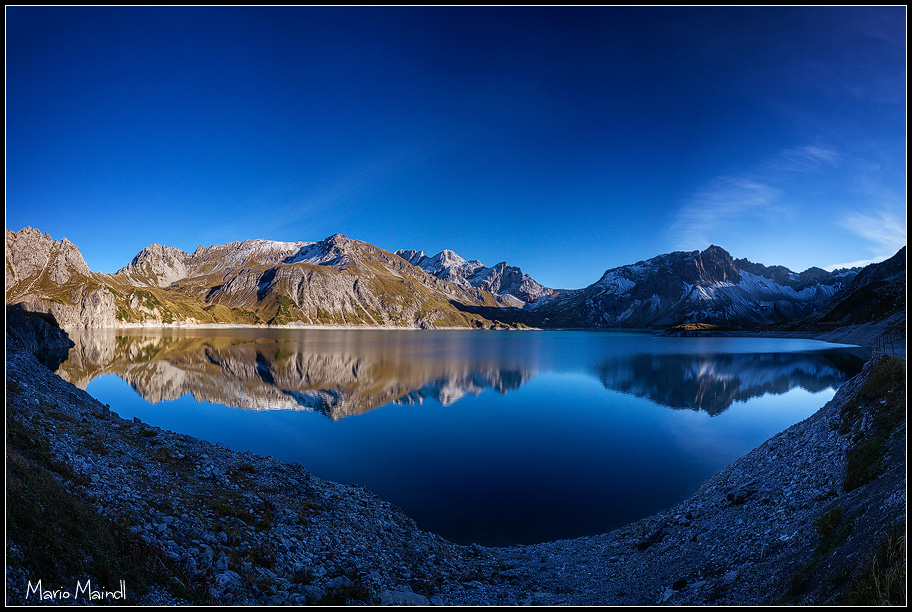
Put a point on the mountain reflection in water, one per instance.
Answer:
(349, 374)
(713, 382)
(345, 373)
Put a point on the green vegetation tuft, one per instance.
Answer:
(885, 389)
(306, 509)
(258, 556)
(228, 511)
(834, 528)
(883, 399)
(247, 468)
(827, 522)
(172, 462)
(799, 581)
(883, 580)
(285, 313)
(241, 315)
(122, 312)
(148, 299)
(865, 461)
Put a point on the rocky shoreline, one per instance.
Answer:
(247, 529)
(237, 528)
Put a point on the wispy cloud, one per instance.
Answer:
(884, 230)
(727, 202)
(722, 203)
(804, 159)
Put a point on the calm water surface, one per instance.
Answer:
(490, 437)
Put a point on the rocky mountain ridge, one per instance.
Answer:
(876, 293)
(52, 277)
(340, 281)
(708, 287)
(504, 280)
(337, 281)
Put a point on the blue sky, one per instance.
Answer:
(563, 140)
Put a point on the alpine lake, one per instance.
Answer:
(491, 437)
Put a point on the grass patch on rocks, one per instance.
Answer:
(60, 538)
(222, 509)
(885, 391)
(285, 313)
(172, 461)
(879, 404)
(865, 462)
(883, 579)
(833, 527)
(352, 590)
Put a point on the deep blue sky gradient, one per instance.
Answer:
(562, 140)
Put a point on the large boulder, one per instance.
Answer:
(37, 334)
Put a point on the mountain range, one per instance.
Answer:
(707, 287)
(341, 281)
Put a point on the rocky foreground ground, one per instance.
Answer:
(814, 515)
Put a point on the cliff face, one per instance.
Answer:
(156, 266)
(876, 293)
(33, 257)
(51, 277)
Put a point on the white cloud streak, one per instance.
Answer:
(754, 195)
(805, 159)
(724, 202)
(884, 230)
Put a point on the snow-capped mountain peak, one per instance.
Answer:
(506, 281)
(697, 287)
